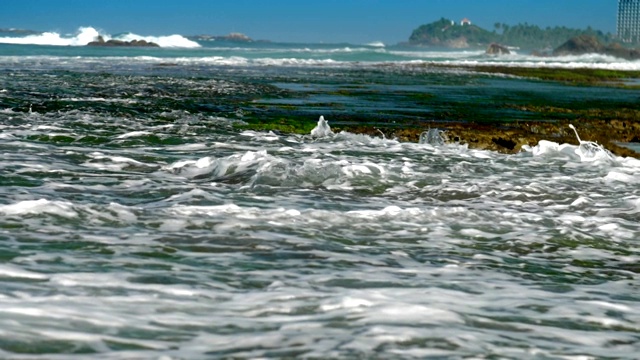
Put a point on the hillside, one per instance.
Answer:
(447, 33)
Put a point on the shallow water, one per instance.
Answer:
(139, 221)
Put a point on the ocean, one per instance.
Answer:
(142, 218)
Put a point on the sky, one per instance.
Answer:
(329, 21)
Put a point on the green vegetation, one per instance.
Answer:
(583, 76)
(445, 32)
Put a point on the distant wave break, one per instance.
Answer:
(88, 34)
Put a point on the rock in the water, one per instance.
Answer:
(579, 45)
(586, 44)
(99, 41)
(497, 49)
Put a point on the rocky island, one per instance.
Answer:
(236, 37)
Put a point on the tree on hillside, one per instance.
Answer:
(525, 35)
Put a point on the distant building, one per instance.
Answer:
(628, 27)
(466, 21)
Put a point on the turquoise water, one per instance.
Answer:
(140, 219)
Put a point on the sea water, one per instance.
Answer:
(140, 219)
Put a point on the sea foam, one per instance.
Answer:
(85, 35)
(169, 41)
(82, 37)
(41, 206)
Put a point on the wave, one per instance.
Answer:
(294, 61)
(379, 44)
(85, 35)
(170, 41)
(293, 58)
(558, 63)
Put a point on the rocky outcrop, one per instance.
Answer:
(237, 37)
(620, 51)
(497, 49)
(99, 41)
(511, 138)
(579, 45)
(585, 44)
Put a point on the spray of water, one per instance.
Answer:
(432, 137)
(322, 129)
(590, 149)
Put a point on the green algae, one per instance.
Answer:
(575, 76)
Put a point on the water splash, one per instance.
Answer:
(322, 129)
(84, 35)
(589, 150)
(432, 137)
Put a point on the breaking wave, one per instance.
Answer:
(85, 35)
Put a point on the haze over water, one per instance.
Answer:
(141, 219)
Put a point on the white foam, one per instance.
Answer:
(124, 213)
(619, 176)
(99, 99)
(82, 37)
(217, 167)
(41, 206)
(133, 134)
(16, 272)
(86, 35)
(348, 303)
(322, 129)
(262, 136)
(413, 314)
(378, 44)
(170, 41)
(585, 152)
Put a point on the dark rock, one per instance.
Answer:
(505, 143)
(540, 53)
(579, 45)
(99, 41)
(586, 44)
(497, 49)
(236, 37)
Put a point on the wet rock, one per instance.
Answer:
(586, 44)
(579, 45)
(99, 41)
(497, 49)
(510, 138)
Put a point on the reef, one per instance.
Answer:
(512, 121)
(509, 138)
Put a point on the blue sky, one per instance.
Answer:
(355, 21)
